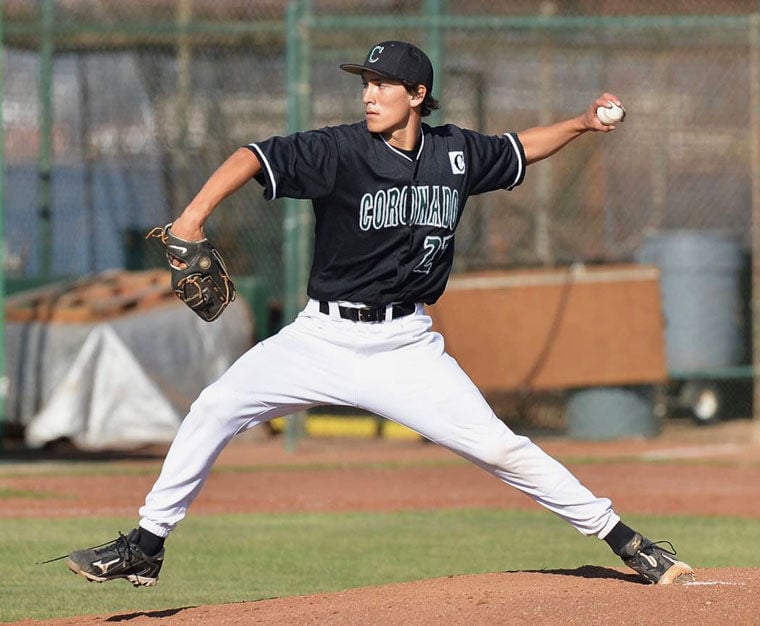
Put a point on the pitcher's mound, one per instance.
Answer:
(586, 595)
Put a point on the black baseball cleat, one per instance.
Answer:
(122, 558)
(654, 563)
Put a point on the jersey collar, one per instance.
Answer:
(403, 154)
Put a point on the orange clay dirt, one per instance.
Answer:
(699, 471)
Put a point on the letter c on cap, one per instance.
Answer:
(374, 55)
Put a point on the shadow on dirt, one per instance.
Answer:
(64, 450)
(585, 571)
(151, 614)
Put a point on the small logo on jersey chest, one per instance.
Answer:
(457, 161)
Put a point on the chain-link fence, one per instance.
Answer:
(116, 112)
(144, 100)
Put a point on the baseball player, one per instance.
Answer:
(388, 193)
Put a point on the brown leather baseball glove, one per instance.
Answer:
(199, 275)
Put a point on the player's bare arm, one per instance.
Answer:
(543, 141)
(231, 175)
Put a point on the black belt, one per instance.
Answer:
(369, 313)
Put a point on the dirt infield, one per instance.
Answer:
(700, 471)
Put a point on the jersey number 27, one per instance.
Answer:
(434, 248)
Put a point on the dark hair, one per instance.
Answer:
(429, 104)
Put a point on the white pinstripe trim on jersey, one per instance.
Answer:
(267, 167)
(520, 164)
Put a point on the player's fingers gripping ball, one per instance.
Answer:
(199, 275)
(610, 114)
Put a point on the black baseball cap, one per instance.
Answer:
(397, 59)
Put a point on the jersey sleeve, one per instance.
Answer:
(302, 165)
(495, 161)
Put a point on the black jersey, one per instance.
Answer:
(385, 222)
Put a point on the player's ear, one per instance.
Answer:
(418, 94)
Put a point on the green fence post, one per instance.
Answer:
(3, 377)
(434, 11)
(44, 159)
(295, 255)
(296, 235)
(754, 141)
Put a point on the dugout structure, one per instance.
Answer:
(115, 112)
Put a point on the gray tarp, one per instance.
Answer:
(120, 383)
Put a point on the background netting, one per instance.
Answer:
(148, 97)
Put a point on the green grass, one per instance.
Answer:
(8, 492)
(152, 469)
(234, 558)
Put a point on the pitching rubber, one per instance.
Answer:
(678, 574)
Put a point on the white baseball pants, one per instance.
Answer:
(397, 369)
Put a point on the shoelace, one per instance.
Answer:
(659, 545)
(122, 546)
(121, 540)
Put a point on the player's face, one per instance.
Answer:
(387, 104)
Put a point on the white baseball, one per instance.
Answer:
(611, 114)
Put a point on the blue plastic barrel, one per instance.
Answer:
(700, 281)
(603, 413)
